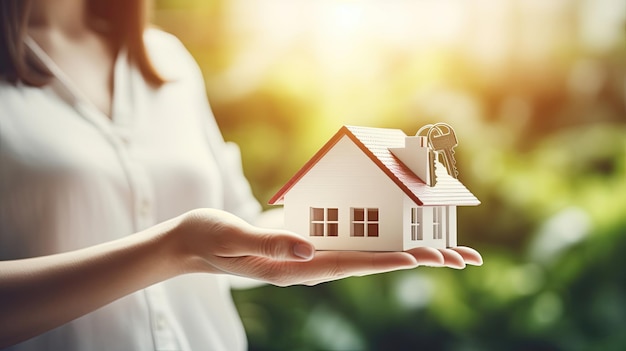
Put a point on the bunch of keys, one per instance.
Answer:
(442, 140)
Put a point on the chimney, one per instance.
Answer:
(418, 157)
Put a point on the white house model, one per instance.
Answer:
(375, 189)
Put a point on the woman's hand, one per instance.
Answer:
(40, 293)
(215, 241)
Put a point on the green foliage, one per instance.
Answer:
(542, 145)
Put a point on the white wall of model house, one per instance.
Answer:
(423, 233)
(433, 226)
(345, 179)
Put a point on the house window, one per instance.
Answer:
(416, 223)
(364, 222)
(324, 221)
(437, 222)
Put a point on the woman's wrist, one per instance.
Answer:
(179, 247)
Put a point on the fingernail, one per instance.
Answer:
(304, 251)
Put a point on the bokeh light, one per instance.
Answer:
(536, 91)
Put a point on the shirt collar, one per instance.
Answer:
(67, 90)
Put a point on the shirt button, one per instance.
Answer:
(144, 208)
(122, 135)
(161, 322)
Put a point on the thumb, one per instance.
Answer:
(275, 244)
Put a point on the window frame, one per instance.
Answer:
(416, 223)
(438, 222)
(369, 224)
(329, 226)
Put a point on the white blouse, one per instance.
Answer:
(72, 177)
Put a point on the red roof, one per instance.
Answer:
(375, 143)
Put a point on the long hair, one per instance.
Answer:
(121, 21)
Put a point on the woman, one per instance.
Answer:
(105, 131)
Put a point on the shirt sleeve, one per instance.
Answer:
(238, 196)
(174, 62)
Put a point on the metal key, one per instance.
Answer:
(442, 139)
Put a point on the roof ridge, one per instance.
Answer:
(375, 144)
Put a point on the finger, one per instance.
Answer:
(333, 265)
(325, 266)
(350, 263)
(427, 256)
(274, 244)
(470, 256)
(452, 259)
(328, 280)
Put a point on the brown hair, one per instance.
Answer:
(122, 21)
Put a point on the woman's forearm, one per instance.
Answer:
(38, 294)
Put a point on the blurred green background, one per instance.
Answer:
(536, 91)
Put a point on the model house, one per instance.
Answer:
(376, 189)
